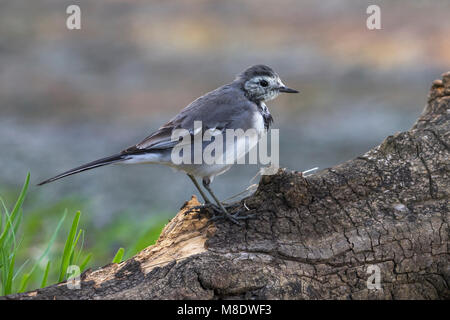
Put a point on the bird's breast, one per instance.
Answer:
(265, 116)
(258, 123)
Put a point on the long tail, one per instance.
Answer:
(88, 166)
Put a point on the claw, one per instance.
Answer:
(218, 213)
(207, 206)
(238, 215)
(233, 217)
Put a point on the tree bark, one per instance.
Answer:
(314, 237)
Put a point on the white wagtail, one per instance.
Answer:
(237, 105)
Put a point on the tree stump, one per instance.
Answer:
(383, 215)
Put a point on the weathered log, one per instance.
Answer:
(312, 237)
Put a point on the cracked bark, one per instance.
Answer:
(313, 237)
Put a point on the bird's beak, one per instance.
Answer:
(287, 90)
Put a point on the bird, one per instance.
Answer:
(239, 104)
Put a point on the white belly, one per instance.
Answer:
(258, 123)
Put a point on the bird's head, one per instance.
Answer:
(261, 83)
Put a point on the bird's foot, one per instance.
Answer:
(218, 213)
(235, 217)
(206, 207)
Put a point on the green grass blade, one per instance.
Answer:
(80, 250)
(1, 215)
(11, 218)
(21, 198)
(5, 230)
(18, 221)
(45, 253)
(85, 262)
(72, 256)
(45, 277)
(24, 282)
(20, 269)
(119, 255)
(8, 231)
(52, 239)
(3, 270)
(68, 248)
(14, 229)
(9, 276)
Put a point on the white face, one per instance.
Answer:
(263, 88)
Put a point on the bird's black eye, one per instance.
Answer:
(263, 83)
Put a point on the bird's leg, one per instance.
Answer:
(206, 184)
(207, 204)
(232, 218)
(238, 216)
(219, 208)
(205, 198)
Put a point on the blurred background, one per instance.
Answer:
(71, 96)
